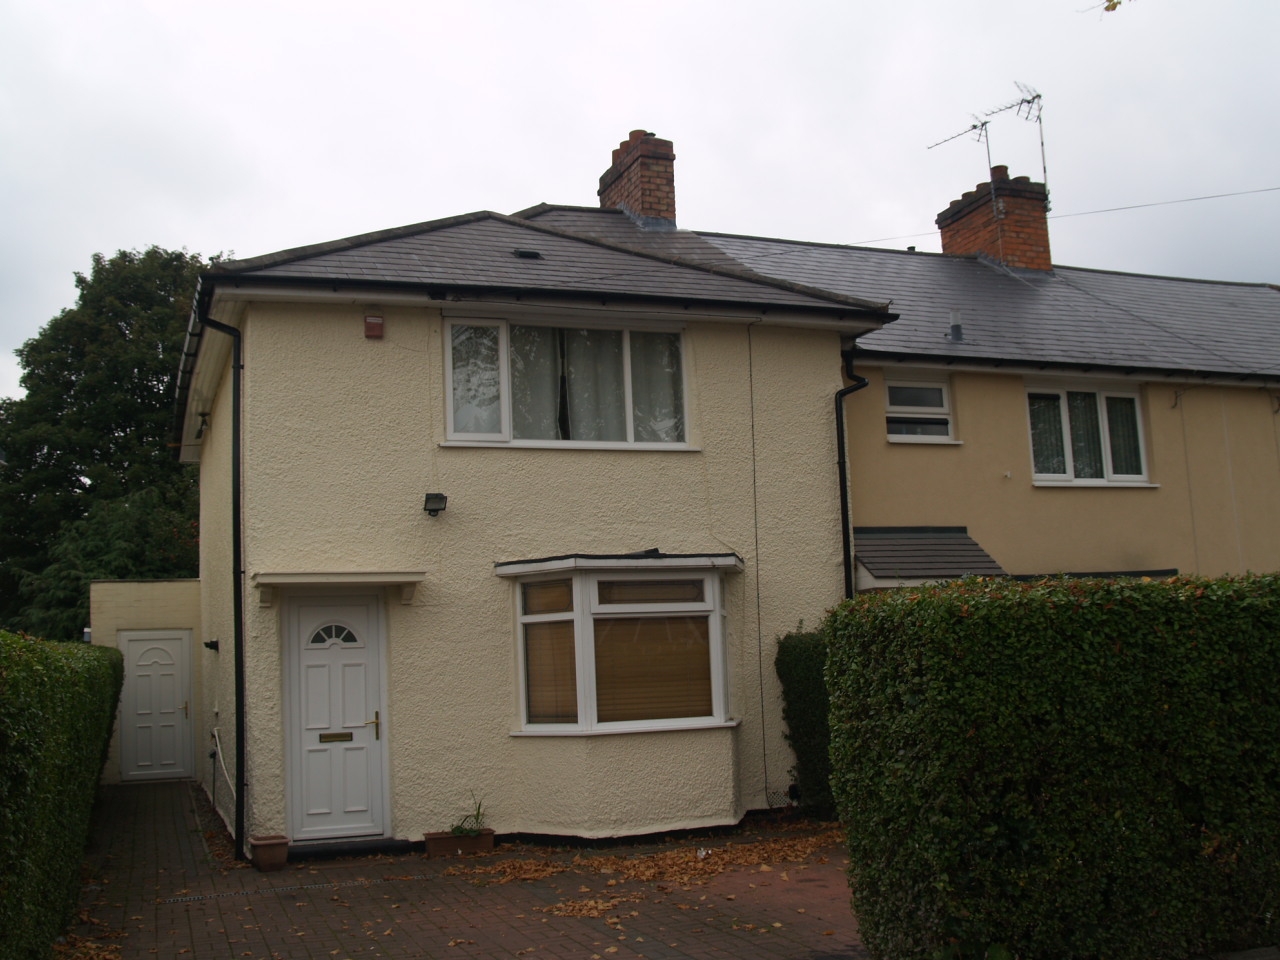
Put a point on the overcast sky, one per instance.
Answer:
(248, 126)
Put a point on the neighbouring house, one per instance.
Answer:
(515, 507)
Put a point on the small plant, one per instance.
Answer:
(471, 824)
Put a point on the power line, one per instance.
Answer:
(1163, 203)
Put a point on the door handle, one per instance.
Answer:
(186, 713)
(377, 725)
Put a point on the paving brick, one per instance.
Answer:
(153, 880)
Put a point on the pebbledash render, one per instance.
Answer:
(513, 509)
(636, 462)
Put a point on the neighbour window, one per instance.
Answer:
(1085, 436)
(602, 651)
(544, 384)
(918, 411)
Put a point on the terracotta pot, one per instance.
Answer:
(445, 843)
(269, 852)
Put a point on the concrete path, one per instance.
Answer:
(154, 889)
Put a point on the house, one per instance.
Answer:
(515, 507)
(490, 508)
(1028, 419)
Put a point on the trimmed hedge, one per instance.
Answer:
(801, 658)
(57, 704)
(1064, 769)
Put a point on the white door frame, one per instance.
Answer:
(294, 734)
(178, 711)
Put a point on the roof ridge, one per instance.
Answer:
(1164, 276)
(827, 244)
(744, 274)
(291, 254)
(540, 208)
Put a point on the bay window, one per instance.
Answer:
(532, 384)
(1085, 436)
(617, 650)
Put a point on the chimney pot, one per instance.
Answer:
(999, 172)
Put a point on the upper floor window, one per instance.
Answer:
(918, 411)
(1085, 436)
(547, 384)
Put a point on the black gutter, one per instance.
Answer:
(846, 521)
(1023, 365)
(237, 575)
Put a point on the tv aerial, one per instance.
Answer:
(1029, 106)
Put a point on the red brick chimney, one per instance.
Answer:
(642, 180)
(1005, 220)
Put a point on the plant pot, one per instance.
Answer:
(446, 843)
(269, 852)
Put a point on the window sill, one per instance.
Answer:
(555, 731)
(572, 445)
(936, 441)
(1097, 484)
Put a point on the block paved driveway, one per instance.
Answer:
(155, 887)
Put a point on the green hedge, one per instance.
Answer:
(1064, 769)
(799, 663)
(57, 704)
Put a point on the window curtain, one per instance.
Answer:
(1047, 451)
(535, 380)
(596, 397)
(657, 388)
(1122, 430)
(1086, 435)
(477, 397)
(567, 384)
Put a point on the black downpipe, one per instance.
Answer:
(237, 563)
(846, 532)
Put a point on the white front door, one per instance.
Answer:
(155, 705)
(336, 719)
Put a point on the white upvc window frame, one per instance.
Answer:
(503, 437)
(922, 413)
(1101, 392)
(586, 609)
(504, 382)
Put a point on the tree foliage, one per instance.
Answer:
(91, 489)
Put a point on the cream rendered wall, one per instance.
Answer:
(116, 605)
(1213, 460)
(218, 669)
(343, 438)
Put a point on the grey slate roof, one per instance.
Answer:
(480, 251)
(910, 553)
(1071, 317)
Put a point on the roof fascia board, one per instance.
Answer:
(459, 300)
(212, 352)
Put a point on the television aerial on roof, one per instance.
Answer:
(1029, 106)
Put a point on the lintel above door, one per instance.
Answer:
(267, 584)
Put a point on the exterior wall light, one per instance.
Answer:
(435, 504)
